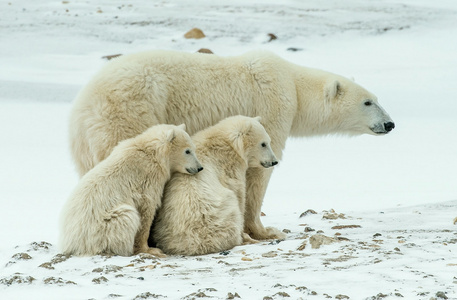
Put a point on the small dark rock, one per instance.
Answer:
(441, 295)
(140, 278)
(275, 242)
(272, 37)
(21, 256)
(309, 229)
(46, 265)
(225, 253)
(40, 246)
(309, 211)
(110, 57)
(376, 235)
(340, 297)
(146, 295)
(231, 296)
(99, 280)
(293, 49)
(205, 50)
(17, 278)
(282, 294)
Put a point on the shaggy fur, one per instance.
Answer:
(204, 213)
(112, 208)
(135, 91)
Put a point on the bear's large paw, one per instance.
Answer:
(274, 233)
(153, 251)
(247, 240)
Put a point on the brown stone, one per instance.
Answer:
(194, 33)
(346, 226)
(318, 240)
(205, 50)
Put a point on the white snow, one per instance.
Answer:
(402, 186)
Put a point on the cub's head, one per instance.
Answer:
(172, 144)
(182, 151)
(353, 110)
(252, 142)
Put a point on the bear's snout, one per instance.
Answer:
(389, 126)
(194, 170)
(268, 164)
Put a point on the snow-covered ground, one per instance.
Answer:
(401, 189)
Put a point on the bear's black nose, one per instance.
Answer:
(274, 163)
(200, 169)
(389, 126)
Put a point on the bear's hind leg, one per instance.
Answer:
(121, 224)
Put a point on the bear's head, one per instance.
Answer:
(353, 110)
(171, 145)
(252, 142)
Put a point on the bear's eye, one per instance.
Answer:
(187, 151)
(264, 145)
(367, 103)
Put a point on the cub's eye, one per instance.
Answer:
(187, 151)
(368, 103)
(264, 145)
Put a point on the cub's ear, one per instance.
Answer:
(258, 118)
(182, 126)
(170, 135)
(331, 90)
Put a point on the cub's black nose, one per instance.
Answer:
(389, 126)
(200, 169)
(274, 163)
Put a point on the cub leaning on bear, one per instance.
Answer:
(204, 213)
(111, 209)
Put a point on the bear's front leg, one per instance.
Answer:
(256, 184)
(140, 244)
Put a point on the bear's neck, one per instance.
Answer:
(143, 172)
(222, 155)
(312, 116)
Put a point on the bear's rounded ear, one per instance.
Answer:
(170, 135)
(182, 127)
(331, 90)
(258, 118)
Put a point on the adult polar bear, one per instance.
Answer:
(134, 92)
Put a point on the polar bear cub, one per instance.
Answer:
(111, 209)
(205, 213)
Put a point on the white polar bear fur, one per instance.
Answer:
(136, 91)
(111, 209)
(203, 214)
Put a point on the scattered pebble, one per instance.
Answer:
(346, 226)
(441, 295)
(21, 256)
(308, 212)
(99, 280)
(309, 229)
(194, 33)
(110, 57)
(272, 37)
(231, 296)
(205, 50)
(318, 240)
(270, 254)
